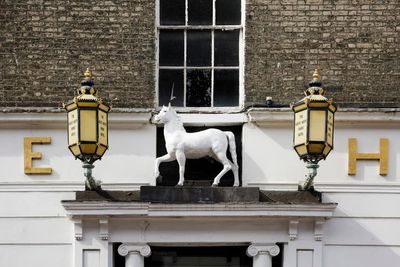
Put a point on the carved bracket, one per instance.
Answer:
(78, 229)
(293, 225)
(103, 228)
(256, 249)
(127, 248)
(318, 230)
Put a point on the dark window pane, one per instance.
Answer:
(228, 12)
(199, 48)
(166, 80)
(198, 88)
(172, 12)
(226, 48)
(199, 12)
(226, 88)
(171, 48)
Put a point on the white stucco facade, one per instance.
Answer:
(361, 230)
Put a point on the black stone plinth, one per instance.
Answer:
(168, 194)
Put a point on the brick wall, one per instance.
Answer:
(354, 43)
(46, 45)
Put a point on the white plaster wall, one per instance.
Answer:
(268, 156)
(19, 255)
(130, 158)
(361, 256)
(364, 231)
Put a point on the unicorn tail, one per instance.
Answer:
(232, 146)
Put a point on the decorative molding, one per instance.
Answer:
(324, 187)
(293, 225)
(255, 249)
(238, 210)
(78, 229)
(42, 186)
(142, 249)
(318, 230)
(103, 231)
(359, 187)
(347, 117)
(132, 118)
(275, 186)
(59, 120)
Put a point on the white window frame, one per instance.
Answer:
(212, 27)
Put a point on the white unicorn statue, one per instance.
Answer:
(182, 145)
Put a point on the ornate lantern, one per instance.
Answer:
(88, 127)
(313, 127)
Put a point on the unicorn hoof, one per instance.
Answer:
(179, 185)
(236, 184)
(159, 179)
(214, 185)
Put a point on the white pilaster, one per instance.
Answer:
(134, 254)
(262, 254)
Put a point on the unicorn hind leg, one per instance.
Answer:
(221, 157)
(235, 170)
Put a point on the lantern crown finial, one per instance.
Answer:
(315, 85)
(88, 74)
(315, 75)
(87, 84)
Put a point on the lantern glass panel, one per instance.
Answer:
(327, 150)
(75, 150)
(301, 150)
(330, 128)
(317, 125)
(73, 127)
(88, 126)
(103, 128)
(300, 128)
(88, 149)
(316, 148)
(101, 150)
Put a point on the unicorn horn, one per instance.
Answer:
(172, 95)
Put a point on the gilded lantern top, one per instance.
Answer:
(315, 92)
(87, 95)
(87, 92)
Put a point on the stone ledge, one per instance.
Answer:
(200, 195)
(167, 194)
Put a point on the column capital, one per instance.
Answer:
(255, 249)
(142, 249)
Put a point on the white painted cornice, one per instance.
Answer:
(359, 187)
(59, 120)
(271, 117)
(348, 117)
(42, 186)
(323, 187)
(144, 209)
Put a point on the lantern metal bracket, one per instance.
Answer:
(90, 184)
(312, 172)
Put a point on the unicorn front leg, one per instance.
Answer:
(165, 158)
(181, 158)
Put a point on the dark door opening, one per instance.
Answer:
(198, 257)
(232, 256)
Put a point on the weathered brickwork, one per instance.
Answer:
(354, 43)
(46, 45)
